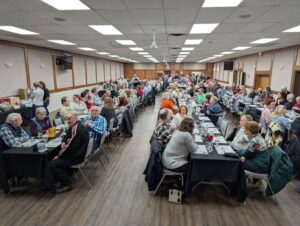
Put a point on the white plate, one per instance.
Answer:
(201, 150)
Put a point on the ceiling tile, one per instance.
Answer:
(172, 4)
(118, 16)
(148, 16)
(105, 4)
(184, 16)
(255, 27)
(212, 15)
(143, 4)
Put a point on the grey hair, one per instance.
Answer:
(12, 117)
(166, 95)
(40, 110)
(163, 113)
(215, 98)
(291, 96)
(248, 117)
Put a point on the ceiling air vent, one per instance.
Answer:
(177, 34)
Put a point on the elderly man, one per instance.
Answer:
(163, 131)
(11, 133)
(72, 152)
(214, 110)
(123, 83)
(290, 102)
(40, 123)
(96, 126)
(297, 104)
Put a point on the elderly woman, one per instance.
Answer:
(78, 107)
(240, 141)
(177, 119)
(214, 110)
(40, 123)
(175, 156)
(11, 133)
(108, 111)
(257, 157)
(167, 103)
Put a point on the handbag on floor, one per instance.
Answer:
(175, 196)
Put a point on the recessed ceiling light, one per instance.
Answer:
(218, 55)
(241, 48)
(126, 42)
(264, 40)
(147, 56)
(87, 49)
(203, 28)
(187, 49)
(193, 41)
(103, 53)
(136, 49)
(17, 30)
(143, 53)
(114, 56)
(227, 52)
(221, 3)
(106, 29)
(62, 42)
(184, 53)
(293, 29)
(67, 4)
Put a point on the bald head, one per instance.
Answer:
(71, 119)
(298, 99)
(164, 115)
(95, 111)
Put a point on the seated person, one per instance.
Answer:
(40, 123)
(201, 97)
(175, 156)
(182, 114)
(11, 131)
(66, 108)
(140, 91)
(114, 92)
(147, 88)
(167, 103)
(163, 131)
(86, 97)
(96, 125)
(108, 111)
(278, 117)
(289, 104)
(240, 141)
(214, 110)
(257, 157)
(78, 107)
(96, 99)
(266, 115)
(73, 150)
(297, 104)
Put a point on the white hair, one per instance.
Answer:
(40, 110)
(166, 95)
(291, 96)
(12, 117)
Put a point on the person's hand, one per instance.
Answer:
(88, 123)
(184, 115)
(243, 159)
(62, 145)
(56, 157)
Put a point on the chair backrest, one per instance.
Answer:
(120, 118)
(57, 121)
(224, 126)
(111, 124)
(87, 154)
(220, 119)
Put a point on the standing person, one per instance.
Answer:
(165, 81)
(37, 96)
(46, 97)
(72, 152)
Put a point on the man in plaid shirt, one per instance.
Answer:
(11, 132)
(163, 131)
(96, 125)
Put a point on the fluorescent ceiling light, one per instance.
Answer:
(114, 56)
(184, 53)
(62, 42)
(241, 48)
(126, 42)
(203, 28)
(103, 53)
(147, 56)
(218, 55)
(106, 29)
(66, 4)
(193, 41)
(181, 56)
(87, 49)
(17, 30)
(136, 49)
(293, 29)
(187, 48)
(264, 40)
(143, 53)
(221, 3)
(227, 52)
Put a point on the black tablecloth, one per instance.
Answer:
(24, 162)
(26, 113)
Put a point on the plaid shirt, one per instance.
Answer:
(12, 137)
(163, 133)
(98, 126)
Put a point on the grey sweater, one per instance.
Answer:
(178, 149)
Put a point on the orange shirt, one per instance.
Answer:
(167, 104)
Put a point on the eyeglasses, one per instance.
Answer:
(94, 110)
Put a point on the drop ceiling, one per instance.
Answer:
(137, 18)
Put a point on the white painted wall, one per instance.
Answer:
(249, 69)
(264, 62)
(194, 66)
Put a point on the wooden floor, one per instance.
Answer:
(120, 197)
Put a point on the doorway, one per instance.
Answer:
(235, 77)
(262, 81)
(296, 90)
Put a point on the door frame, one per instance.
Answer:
(257, 73)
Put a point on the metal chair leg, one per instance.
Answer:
(162, 179)
(106, 156)
(100, 161)
(85, 178)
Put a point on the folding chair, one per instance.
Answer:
(57, 121)
(101, 148)
(110, 130)
(80, 166)
(224, 127)
(220, 119)
(169, 173)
